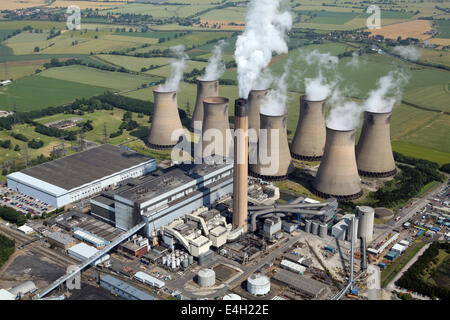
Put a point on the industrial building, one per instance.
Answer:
(83, 252)
(60, 240)
(159, 200)
(148, 279)
(258, 284)
(137, 246)
(123, 289)
(81, 175)
(90, 238)
(311, 288)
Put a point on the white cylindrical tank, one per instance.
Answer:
(178, 262)
(258, 284)
(164, 260)
(191, 259)
(365, 224)
(185, 263)
(232, 296)
(314, 227)
(206, 278)
(323, 229)
(308, 226)
(174, 264)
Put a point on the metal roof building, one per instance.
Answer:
(80, 175)
(6, 295)
(304, 285)
(123, 289)
(148, 279)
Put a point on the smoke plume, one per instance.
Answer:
(177, 66)
(266, 25)
(407, 52)
(344, 114)
(319, 88)
(388, 92)
(354, 62)
(216, 66)
(274, 103)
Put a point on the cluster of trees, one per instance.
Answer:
(6, 144)
(12, 216)
(55, 63)
(35, 144)
(7, 247)
(55, 132)
(53, 33)
(19, 136)
(445, 168)
(86, 126)
(412, 278)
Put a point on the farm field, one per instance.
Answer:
(37, 92)
(95, 77)
(435, 56)
(133, 63)
(443, 27)
(86, 4)
(409, 29)
(159, 11)
(19, 4)
(165, 70)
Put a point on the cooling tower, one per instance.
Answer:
(309, 138)
(204, 89)
(338, 175)
(365, 226)
(374, 152)
(254, 105)
(273, 161)
(240, 182)
(166, 127)
(216, 134)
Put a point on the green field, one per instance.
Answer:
(165, 70)
(37, 92)
(95, 77)
(133, 63)
(443, 27)
(159, 11)
(327, 17)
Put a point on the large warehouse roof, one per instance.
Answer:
(87, 166)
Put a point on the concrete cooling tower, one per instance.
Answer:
(374, 151)
(309, 139)
(338, 175)
(166, 128)
(204, 89)
(273, 161)
(216, 134)
(365, 224)
(254, 105)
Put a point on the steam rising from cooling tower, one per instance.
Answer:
(388, 92)
(216, 66)
(344, 114)
(177, 67)
(266, 25)
(407, 52)
(274, 103)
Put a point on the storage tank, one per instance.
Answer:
(206, 278)
(309, 139)
(191, 260)
(185, 263)
(258, 284)
(365, 224)
(314, 227)
(178, 262)
(350, 231)
(216, 134)
(232, 296)
(204, 89)
(308, 226)
(164, 260)
(323, 229)
(273, 146)
(174, 264)
(338, 176)
(374, 151)
(166, 128)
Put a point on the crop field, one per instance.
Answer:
(37, 92)
(230, 14)
(443, 28)
(410, 29)
(435, 56)
(197, 38)
(87, 4)
(45, 25)
(19, 4)
(159, 10)
(133, 63)
(165, 70)
(95, 77)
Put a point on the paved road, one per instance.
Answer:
(391, 286)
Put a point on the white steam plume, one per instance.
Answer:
(274, 103)
(177, 67)
(344, 114)
(216, 66)
(388, 92)
(319, 88)
(266, 25)
(354, 62)
(264, 81)
(407, 52)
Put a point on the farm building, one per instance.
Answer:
(72, 178)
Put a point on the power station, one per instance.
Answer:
(374, 151)
(273, 161)
(166, 129)
(337, 175)
(309, 139)
(204, 89)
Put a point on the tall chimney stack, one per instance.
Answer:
(216, 118)
(309, 139)
(338, 175)
(374, 151)
(273, 164)
(254, 105)
(204, 89)
(240, 183)
(165, 121)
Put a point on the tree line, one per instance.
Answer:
(7, 247)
